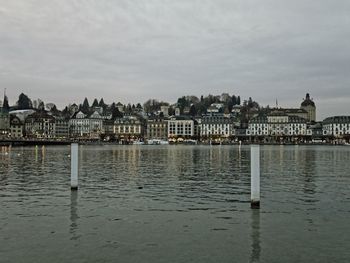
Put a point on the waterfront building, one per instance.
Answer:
(278, 123)
(309, 106)
(62, 126)
(337, 126)
(108, 126)
(157, 128)
(86, 126)
(216, 126)
(16, 127)
(129, 128)
(258, 126)
(181, 127)
(40, 124)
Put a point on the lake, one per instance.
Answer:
(174, 203)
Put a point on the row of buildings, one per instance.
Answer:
(297, 124)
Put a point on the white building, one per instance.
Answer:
(83, 125)
(181, 127)
(129, 128)
(336, 126)
(278, 124)
(216, 126)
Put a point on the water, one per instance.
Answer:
(174, 204)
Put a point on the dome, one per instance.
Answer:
(307, 101)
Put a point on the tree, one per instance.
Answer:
(115, 112)
(102, 103)
(24, 102)
(193, 110)
(85, 108)
(234, 100)
(95, 103)
(238, 100)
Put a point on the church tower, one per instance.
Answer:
(309, 106)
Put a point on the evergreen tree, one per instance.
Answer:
(85, 108)
(234, 100)
(102, 103)
(24, 102)
(193, 110)
(238, 100)
(95, 103)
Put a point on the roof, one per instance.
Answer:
(337, 119)
(307, 101)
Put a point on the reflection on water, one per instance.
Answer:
(74, 215)
(255, 235)
(174, 203)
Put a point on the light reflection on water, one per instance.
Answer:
(174, 203)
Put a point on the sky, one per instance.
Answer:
(62, 51)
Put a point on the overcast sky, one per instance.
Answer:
(129, 51)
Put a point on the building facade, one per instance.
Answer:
(336, 126)
(157, 128)
(16, 127)
(181, 127)
(129, 128)
(278, 124)
(216, 126)
(40, 125)
(86, 126)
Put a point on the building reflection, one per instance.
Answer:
(255, 236)
(74, 215)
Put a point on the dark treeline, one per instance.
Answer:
(190, 105)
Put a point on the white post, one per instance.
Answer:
(74, 166)
(255, 176)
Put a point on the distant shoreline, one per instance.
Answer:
(19, 143)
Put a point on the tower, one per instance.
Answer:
(309, 106)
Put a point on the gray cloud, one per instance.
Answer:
(62, 51)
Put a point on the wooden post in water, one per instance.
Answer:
(74, 166)
(255, 176)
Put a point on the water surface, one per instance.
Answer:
(174, 204)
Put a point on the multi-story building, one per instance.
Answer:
(181, 127)
(62, 127)
(157, 128)
(336, 126)
(258, 126)
(108, 127)
(278, 124)
(88, 126)
(16, 127)
(40, 125)
(216, 126)
(129, 128)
